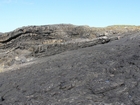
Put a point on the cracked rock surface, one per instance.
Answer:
(105, 74)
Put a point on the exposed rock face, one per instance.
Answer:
(38, 41)
(27, 43)
(105, 74)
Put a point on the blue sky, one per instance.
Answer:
(95, 13)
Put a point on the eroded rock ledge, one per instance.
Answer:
(28, 43)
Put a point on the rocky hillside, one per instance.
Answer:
(105, 74)
(25, 44)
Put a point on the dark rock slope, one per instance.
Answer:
(105, 74)
(28, 43)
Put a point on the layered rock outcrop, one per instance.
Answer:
(28, 43)
(105, 74)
